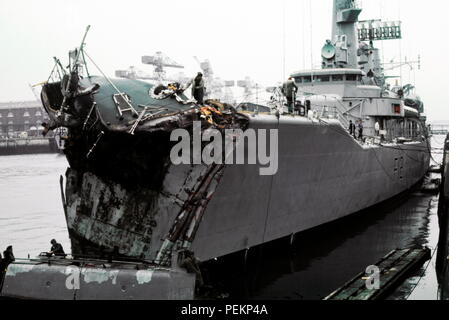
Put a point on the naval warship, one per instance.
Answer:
(123, 194)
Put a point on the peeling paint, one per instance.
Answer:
(70, 270)
(15, 269)
(144, 276)
(99, 276)
(66, 281)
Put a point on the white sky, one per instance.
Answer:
(240, 38)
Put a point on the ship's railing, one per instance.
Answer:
(71, 258)
(389, 135)
(407, 134)
(337, 112)
(329, 112)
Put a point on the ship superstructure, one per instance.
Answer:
(352, 85)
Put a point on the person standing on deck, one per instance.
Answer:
(377, 128)
(8, 258)
(289, 89)
(198, 88)
(352, 128)
(361, 130)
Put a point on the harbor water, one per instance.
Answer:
(308, 266)
(31, 212)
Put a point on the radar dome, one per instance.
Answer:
(328, 51)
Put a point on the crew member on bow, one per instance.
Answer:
(56, 249)
(198, 88)
(289, 89)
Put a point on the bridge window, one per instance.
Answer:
(323, 79)
(26, 114)
(352, 77)
(10, 115)
(337, 77)
(306, 79)
(38, 114)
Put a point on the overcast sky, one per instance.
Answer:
(240, 38)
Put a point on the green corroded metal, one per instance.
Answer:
(139, 93)
(393, 269)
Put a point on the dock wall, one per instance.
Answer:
(442, 264)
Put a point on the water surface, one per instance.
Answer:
(31, 212)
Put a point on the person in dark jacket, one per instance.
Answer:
(360, 127)
(198, 88)
(289, 89)
(352, 128)
(8, 258)
(56, 249)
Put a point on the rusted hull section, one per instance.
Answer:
(105, 218)
(123, 196)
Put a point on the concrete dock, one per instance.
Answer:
(67, 279)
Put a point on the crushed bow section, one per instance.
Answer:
(124, 197)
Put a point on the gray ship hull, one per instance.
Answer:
(324, 175)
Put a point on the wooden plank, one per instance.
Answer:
(359, 276)
(393, 268)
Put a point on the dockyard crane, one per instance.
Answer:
(160, 61)
(215, 86)
(249, 86)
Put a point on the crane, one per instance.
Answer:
(159, 60)
(214, 85)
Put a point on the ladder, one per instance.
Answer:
(123, 103)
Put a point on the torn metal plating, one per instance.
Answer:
(123, 194)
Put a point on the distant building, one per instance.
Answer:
(16, 118)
